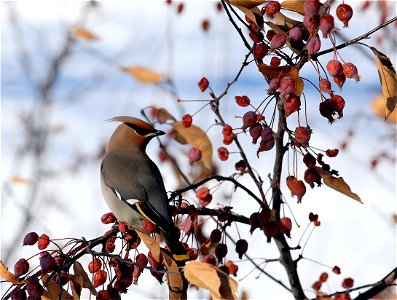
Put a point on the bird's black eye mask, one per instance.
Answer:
(139, 130)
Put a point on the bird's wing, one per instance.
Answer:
(133, 175)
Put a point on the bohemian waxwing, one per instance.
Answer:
(132, 184)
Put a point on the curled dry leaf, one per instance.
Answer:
(209, 277)
(196, 137)
(52, 290)
(388, 81)
(282, 20)
(279, 72)
(293, 5)
(143, 74)
(80, 32)
(378, 107)
(79, 270)
(162, 115)
(337, 183)
(77, 285)
(8, 276)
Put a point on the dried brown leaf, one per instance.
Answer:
(388, 80)
(162, 115)
(254, 14)
(196, 137)
(206, 276)
(337, 183)
(77, 285)
(175, 280)
(293, 5)
(246, 3)
(282, 20)
(52, 290)
(80, 32)
(378, 107)
(151, 244)
(79, 270)
(143, 74)
(8, 276)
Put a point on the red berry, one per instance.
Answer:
(94, 265)
(348, 283)
(215, 236)
(313, 218)
(34, 289)
(241, 247)
(108, 218)
(270, 229)
(340, 80)
(291, 104)
(187, 120)
(287, 86)
(270, 34)
(180, 8)
(47, 262)
(232, 267)
(311, 7)
(271, 8)
(336, 270)
(205, 25)
(311, 176)
(338, 103)
(325, 86)
(194, 155)
(313, 45)
(323, 277)
(332, 152)
(273, 85)
(43, 241)
(255, 132)
(18, 294)
(100, 278)
(254, 221)
(326, 24)
(203, 84)
(334, 68)
(241, 165)
(317, 285)
(220, 251)
(30, 239)
(311, 23)
(285, 226)
(249, 119)
(278, 41)
(223, 153)
(225, 269)
(227, 129)
(302, 135)
(267, 140)
(260, 50)
(210, 259)
(344, 12)
(295, 34)
(202, 192)
(228, 139)
(297, 187)
(309, 160)
(257, 37)
(350, 71)
(326, 110)
(110, 244)
(141, 260)
(264, 216)
(242, 101)
(219, 6)
(21, 267)
(275, 61)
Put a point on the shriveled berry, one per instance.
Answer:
(267, 140)
(102, 295)
(313, 217)
(249, 119)
(332, 152)
(220, 251)
(94, 265)
(110, 244)
(295, 34)
(113, 293)
(203, 84)
(210, 259)
(254, 221)
(225, 269)
(271, 8)
(241, 247)
(270, 34)
(47, 262)
(223, 153)
(34, 289)
(215, 236)
(187, 120)
(227, 129)
(242, 101)
(257, 37)
(326, 110)
(291, 104)
(311, 23)
(264, 216)
(278, 41)
(338, 104)
(350, 71)
(325, 86)
(297, 187)
(273, 85)
(260, 50)
(100, 278)
(30, 239)
(43, 241)
(18, 294)
(275, 61)
(326, 24)
(21, 267)
(348, 283)
(311, 7)
(241, 165)
(311, 176)
(313, 45)
(205, 25)
(302, 135)
(317, 285)
(344, 12)
(340, 80)
(232, 267)
(323, 277)
(141, 260)
(270, 229)
(202, 192)
(255, 132)
(334, 67)
(309, 160)
(287, 86)
(108, 218)
(285, 226)
(228, 139)
(336, 270)
(194, 155)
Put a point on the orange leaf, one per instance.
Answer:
(378, 107)
(196, 137)
(79, 270)
(209, 277)
(143, 74)
(80, 32)
(293, 5)
(8, 276)
(337, 183)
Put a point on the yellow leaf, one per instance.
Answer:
(80, 32)
(196, 137)
(206, 276)
(20, 180)
(8, 276)
(52, 289)
(378, 107)
(151, 244)
(293, 5)
(79, 270)
(337, 183)
(246, 3)
(388, 81)
(143, 74)
(77, 285)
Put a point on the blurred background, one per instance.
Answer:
(62, 77)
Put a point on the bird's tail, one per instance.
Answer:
(176, 248)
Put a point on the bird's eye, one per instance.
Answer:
(140, 131)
